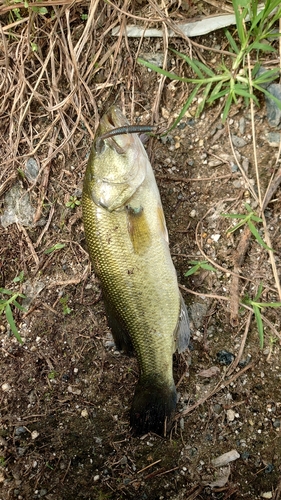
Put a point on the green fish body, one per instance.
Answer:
(128, 245)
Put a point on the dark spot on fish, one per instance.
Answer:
(134, 210)
(131, 271)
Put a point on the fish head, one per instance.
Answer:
(117, 165)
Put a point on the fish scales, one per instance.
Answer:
(128, 245)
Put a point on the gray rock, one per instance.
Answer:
(17, 207)
(31, 169)
(242, 125)
(197, 312)
(20, 430)
(273, 112)
(273, 139)
(238, 142)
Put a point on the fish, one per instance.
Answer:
(128, 245)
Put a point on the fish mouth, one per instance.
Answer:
(113, 124)
(110, 121)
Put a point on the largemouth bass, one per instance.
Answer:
(128, 245)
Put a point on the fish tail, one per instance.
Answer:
(153, 406)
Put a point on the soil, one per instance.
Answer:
(66, 392)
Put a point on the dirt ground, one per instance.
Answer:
(66, 392)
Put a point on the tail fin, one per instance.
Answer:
(153, 406)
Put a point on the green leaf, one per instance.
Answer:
(185, 108)
(15, 303)
(161, 71)
(257, 235)
(226, 107)
(10, 319)
(234, 216)
(259, 292)
(6, 292)
(19, 278)
(193, 270)
(40, 10)
(190, 62)
(259, 325)
(208, 267)
(57, 246)
(232, 42)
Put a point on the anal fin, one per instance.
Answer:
(120, 335)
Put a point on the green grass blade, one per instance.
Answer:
(268, 94)
(205, 69)
(193, 270)
(190, 62)
(185, 108)
(161, 71)
(208, 267)
(203, 102)
(245, 93)
(15, 303)
(226, 109)
(232, 42)
(266, 76)
(10, 319)
(233, 216)
(261, 46)
(259, 325)
(259, 292)
(5, 291)
(257, 235)
(239, 17)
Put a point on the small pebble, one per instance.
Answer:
(267, 494)
(224, 459)
(124, 460)
(20, 430)
(230, 414)
(238, 142)
(73, 390)
(225, 357)
(6, 387)
(273, 139)
(273, 112)
(237, 184)
(242, 125)
(34, 434)
(215, 237)
(84, 413)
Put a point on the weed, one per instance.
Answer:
(73, 202)
(55, 248)
(19, 278)
(196, 266)
(257, 306)
(231, 84)
(52, 375)
(65, 309)
(248, 219)
(5, 307)
(16, 12)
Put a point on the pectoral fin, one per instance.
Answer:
(182, 332)
(138, 228)
(162, 223)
